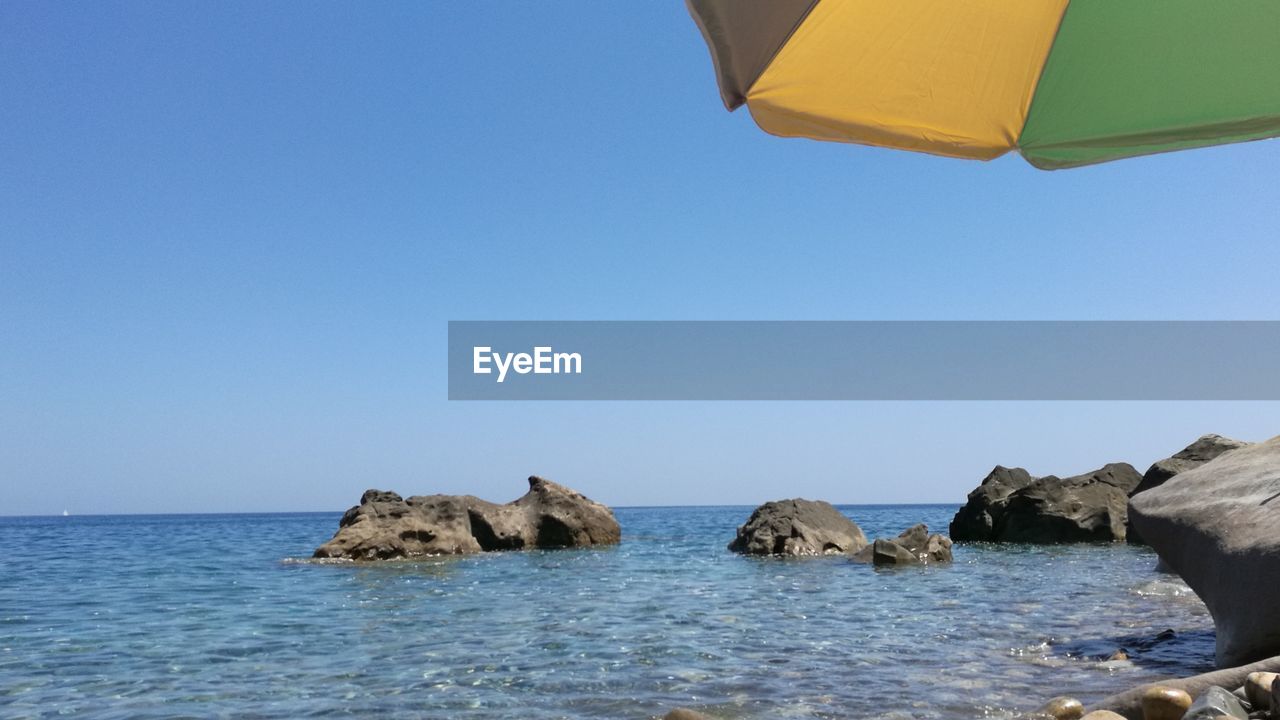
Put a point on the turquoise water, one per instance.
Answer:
(217, 616)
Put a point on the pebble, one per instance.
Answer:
(1103, 715)
(1258, 687)
(1063, 708)
(1164, 703)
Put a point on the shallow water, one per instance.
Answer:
(205, 616)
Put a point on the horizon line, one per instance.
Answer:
(325, 512)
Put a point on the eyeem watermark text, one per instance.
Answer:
(543, 361)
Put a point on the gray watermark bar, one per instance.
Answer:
(864, 360)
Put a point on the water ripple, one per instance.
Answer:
(219, 616)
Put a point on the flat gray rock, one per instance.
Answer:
(1218, 526)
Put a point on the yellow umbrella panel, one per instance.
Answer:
(1066, 83)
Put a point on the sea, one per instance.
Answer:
(224, 616)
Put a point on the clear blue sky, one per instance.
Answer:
(231, 235)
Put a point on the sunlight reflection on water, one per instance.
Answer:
(150, 617)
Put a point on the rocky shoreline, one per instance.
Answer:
(1211, 513)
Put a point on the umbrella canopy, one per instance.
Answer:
(1064, 82)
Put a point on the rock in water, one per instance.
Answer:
(1103, 715)
(384, 526)
(915, 546)
(1207, 448)
(1164, 703)
(976, 521)
(798, 527)
(1216, 702)
(888, 552)
(1085, 508)
(1218, 526)
(1011, 506)
(685, 714)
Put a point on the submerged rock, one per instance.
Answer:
(1218, 526)
(685, 714)
(1204, 449)
(1120, 655)
(798, 527)
(1012, 506)
(915, 546)
(385, 526)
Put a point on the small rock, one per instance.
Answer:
(1258, 688)
(888, 552)
(1165, 703)
(1063, 708)
(938, 549)
(1118, 655)
(1213, 703)
(915, 546)
(1103, 715)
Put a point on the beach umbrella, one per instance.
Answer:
(1064, 82)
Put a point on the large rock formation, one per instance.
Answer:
(976, 520)
(385, 526)
(915, 546)
(798, 527)
(1218, 526)
(1011, 506)
(1207, 448)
